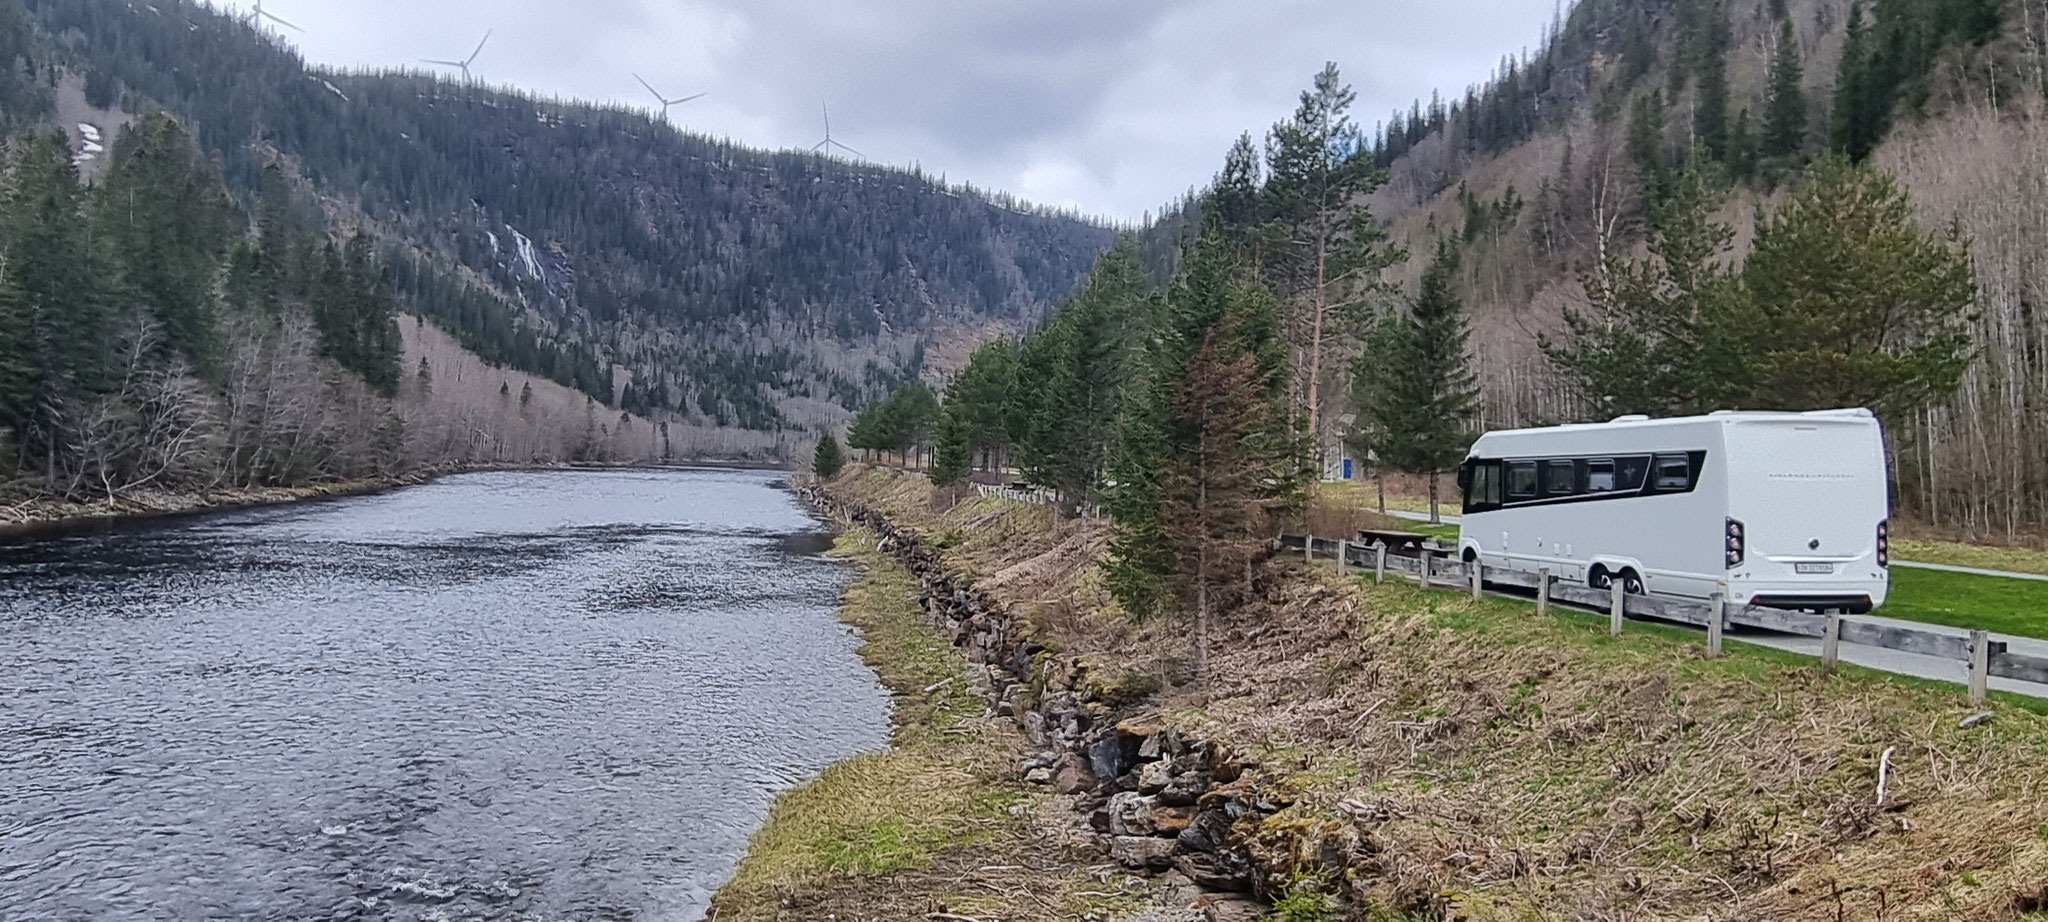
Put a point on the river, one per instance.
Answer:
(549, 695)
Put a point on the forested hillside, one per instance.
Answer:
(663, 273)
(1552, 176)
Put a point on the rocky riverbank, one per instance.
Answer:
(40, 514)
(1381, 752)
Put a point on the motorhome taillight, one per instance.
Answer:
(1884, 544)
(1734, 545)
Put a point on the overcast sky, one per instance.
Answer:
(1110, 106)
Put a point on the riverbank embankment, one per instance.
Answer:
(1378, 751)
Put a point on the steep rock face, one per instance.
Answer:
(728, 286)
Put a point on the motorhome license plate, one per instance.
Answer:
(1822, 568)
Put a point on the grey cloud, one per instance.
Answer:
(1112, 106)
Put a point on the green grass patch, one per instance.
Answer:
(1983, 557)
(1991, 603)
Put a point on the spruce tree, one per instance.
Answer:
(952, 450)
(1421, 403)
(1647, 144)
(826, 460)
(164, 210)
(1785, 116)
(1710, 112)
(1862, 103)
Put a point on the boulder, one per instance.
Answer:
(1153, 777)
(1034, 727)
(1225, 871)
(1207, 832)
(1072, 776)
(1184, 790)
(1130, 814)
(1038, 775)
(1171, 821)
(1113, 755)
(1143, 853)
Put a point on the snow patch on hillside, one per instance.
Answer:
(90, 145)
(529, 258)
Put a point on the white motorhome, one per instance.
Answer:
(1779, 510)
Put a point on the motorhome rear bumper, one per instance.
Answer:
(1855, 604)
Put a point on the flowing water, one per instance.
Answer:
(559, 695)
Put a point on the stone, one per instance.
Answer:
(1072, 775)
(1142, 853)
(1113, 755)
(1130, 814)
(1219, 871)
(1207, 832)
(1039, 775)
(1175, 889)
(1184, 790)
(1171, 821)
(1153, 777)
(1034, 727)
(1218, 907)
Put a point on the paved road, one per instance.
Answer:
(1914, 564)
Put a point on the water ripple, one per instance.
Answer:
(528, 696)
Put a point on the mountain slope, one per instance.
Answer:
(1535, 172)
(724, 285)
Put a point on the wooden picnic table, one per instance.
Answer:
(1399, 543)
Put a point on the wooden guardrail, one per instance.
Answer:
(1983, 657)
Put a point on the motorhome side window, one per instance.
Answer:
(1600, 476)
(1482, 487)
(1522, 480)
(1674, 472)
(1557, 478)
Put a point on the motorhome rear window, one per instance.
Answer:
(1522, 480)
(1674, 472)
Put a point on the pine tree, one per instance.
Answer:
(1785, 115)
(826, 460)
(1329, 251)
(1421, 403)
(1851, 304)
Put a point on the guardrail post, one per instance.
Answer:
(1478, 579)
(1980, 666)
(1543, 591)
(1831, 643)
(1379, 563)
(1717, 616)
(1619, 613)
(1343, 556)
(1425, 568)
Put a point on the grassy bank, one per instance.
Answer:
(937, 824)
(1452, 758)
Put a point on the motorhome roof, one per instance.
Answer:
(1718, 416)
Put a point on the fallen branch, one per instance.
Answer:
(1884, 772)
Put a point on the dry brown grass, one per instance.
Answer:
(1470, 758)
(939, 823)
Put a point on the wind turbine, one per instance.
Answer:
(666, 103)
(463, 64)
(828, 144)
(257, 16)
